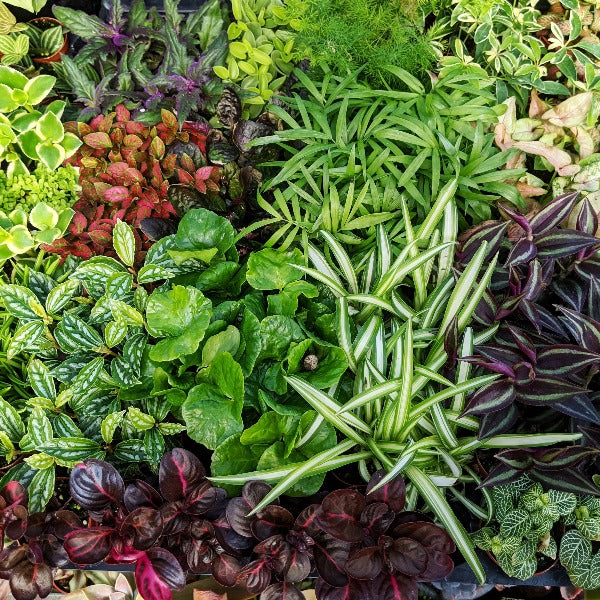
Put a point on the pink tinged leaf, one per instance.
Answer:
(116, 194)
(376, 519)
(428, 534)
(117, 170)
(89, 546)
(179, 471)
(298, 567)
(139, 493)
(330, 555)
(392, 493)
(95, 484)
(340, 515)
(272, 520)
(29, 581)
(491, 398)
(132, 141)
(492, 365)
(282, 591)
(133, 176)
(98, 140)
(157, 574)
(255, 576)
(307, 520)
(365, 563)
(407, 556)
(558, 158)
(14, 493)
(391, 586)
(519, 219)
(122, 114)
(346, 592)
(141, 528)
(439, 565)
(225, 569)
(238, 508)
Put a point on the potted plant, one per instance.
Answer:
(47, 40)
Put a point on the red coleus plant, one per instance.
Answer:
(360, 546)
(35, 543)
(125, 171)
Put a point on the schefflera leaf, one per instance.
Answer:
(180, 316)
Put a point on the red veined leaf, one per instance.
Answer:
(98, 140)
(270, 521)
(14, 493)
(340, 515)
(365, 563)
(238, 508)
(225, 569)
(139, 493)
(89, 546)
(376, 519)
(439, 565)
(157, 573)
(307, 520)
(330, 555)
(255, 576)
(179, 472)
(298, 566)
(64, 522)
(406, 555)
(29, 581)
(282, 591)
(325, 591)
(203, 497)
(428, 534)
(141, 528)
(391, 586)
(393, 493)
(95, 484)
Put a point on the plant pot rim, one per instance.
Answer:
(536, 574)
(62, 50)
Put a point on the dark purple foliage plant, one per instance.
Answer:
(359, 545)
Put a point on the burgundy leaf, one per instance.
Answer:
(63, 522)
(282, 591)
(277, 551)
(376, 519)
(201, 498)
(28, 581)
(17, 521)
(307, 520)
(340, 515)
(14, 493)
(142, 527)
(526, 346)
(298, 566)
(89, 546)
(225, 569)
(255, 576)
(407, 556)
(324, 591)
(198, 553)
(12, 556)
(254, 491)
(330, 555)
(522, 252)
(365, 563)
(428, 534)
(439, 565)
(392, 586)
(492, 397)
(491, 365)
(392, 493)
(157, 573)
(520, 220)
(274, 519)
(228, 538)
(179, 472)
(554, 213)
(237, 516)
(173, 519)
(139, 493)
(95, 485)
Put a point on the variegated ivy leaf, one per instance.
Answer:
(20, 302)
(25, 337)
(74, 335)
(119, 286)
(40, 461)
(140, 299)
(565, 502)
(126, 314)
(114, 333)
(140, 420)
(515, 523)
(60, 296)
(8, 446)
(575, 550)
(39, 428)
(40, 489)
(110, 424)
(151, 273)
(10, 421)
(173, 429)
(124, 242)
(94, 273)
(41, 380)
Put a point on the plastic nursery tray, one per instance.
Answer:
(185, 6)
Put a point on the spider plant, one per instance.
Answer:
(402, 318)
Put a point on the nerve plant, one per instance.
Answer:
(391, 411)
(361, 545)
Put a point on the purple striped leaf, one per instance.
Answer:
(555, 459)
(490, 398)
(531, 312)
(593, 299)
(492, 365)
(560, 243)
(533, 286)
(589, 268)
(546, 390)
(585, 330)
(517, 459)
(554, 214)
(579, 407)
(526, 346)
(567, 481)
(499, 354)
(587, 220)
(501, 475)
(493, 234)
(497, 422)
(572, 292)
(564, 359)
(521, 253)
(550, 322)
(520, 220)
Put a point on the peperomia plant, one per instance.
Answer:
(27, 135)
(361, 545)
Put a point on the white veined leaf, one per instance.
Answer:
(61, 295)
(114, 333)
(124, 242)
(41, 380)
(10, 421)
(574, 550)
(39, 427)
(25, 337)
(109, 425)
(140, 420)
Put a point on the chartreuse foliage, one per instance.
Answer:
(29, 136)
(115, 362)
(409, 314)
(360, 146)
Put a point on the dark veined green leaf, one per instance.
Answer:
(40, 489)
(75, 335)
(71, 449)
